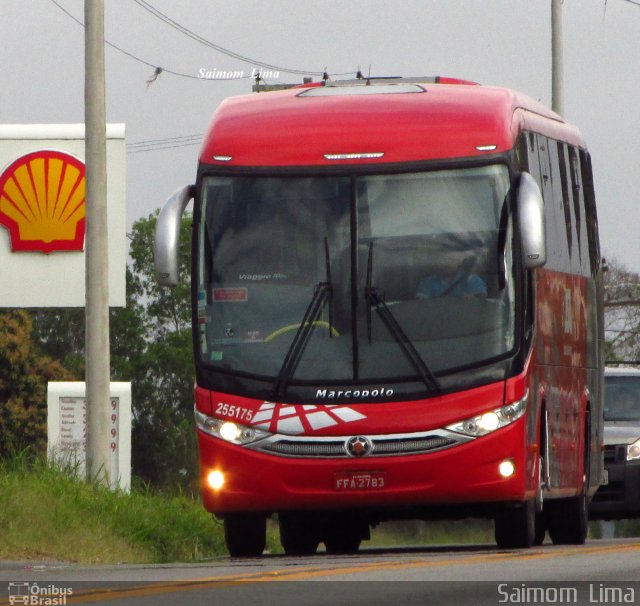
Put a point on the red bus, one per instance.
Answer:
(397, 313)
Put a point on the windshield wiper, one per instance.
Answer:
(374, 299)
(323, 293)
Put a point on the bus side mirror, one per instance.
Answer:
(531, 222)
(167, 238)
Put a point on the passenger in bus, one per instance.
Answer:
(452, 278)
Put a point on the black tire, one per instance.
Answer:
(298, 533)
(245, 534)
(541, 529)
(568, 519)
(540, 517)
(342, 545)
(515, 526)
(343, 538)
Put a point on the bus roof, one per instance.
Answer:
(395, 122)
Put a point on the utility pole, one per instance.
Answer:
(557, 75)
(96, 257)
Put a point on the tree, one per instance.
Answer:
(164, 438)
(24, 373)
(168, 309)
(622, 312)
(151, 347)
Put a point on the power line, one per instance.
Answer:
(157, 69)
(225, 51)
(180, 138)
(161, 147)
(633, 2)
(165, 143)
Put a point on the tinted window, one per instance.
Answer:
(622, 398)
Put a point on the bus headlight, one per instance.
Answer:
(633, 451)
(488, 422)
(229, 431)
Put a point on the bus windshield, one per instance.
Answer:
(349, 279)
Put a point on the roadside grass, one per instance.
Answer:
(47, 513)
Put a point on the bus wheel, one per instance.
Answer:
(245, 534)
(540, 517)
(345, 534)
(541, 528)
(298, 533)
(340, 545)
(515, 526)
(568, 519)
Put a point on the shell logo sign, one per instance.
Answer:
(43, 220)
(42, 202)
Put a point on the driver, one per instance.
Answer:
(452, 277)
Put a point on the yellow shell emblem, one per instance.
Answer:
(42, 202)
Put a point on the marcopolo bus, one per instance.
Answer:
(397, 313)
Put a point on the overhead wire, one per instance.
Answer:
(225, 51)
(165, 143)
(157, 69)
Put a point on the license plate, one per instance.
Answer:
(360, 480)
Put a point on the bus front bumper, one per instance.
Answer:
(473, 472)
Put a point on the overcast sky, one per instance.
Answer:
(498, 42)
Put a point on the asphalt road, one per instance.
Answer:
(600, 572)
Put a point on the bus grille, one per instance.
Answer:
(336, 447)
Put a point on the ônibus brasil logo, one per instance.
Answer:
(42, 202)
(36, 594)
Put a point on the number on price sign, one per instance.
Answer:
(114, 437)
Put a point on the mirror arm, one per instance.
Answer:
(167, 237)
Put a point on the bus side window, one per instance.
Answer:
(579, 210)
(560, 216)
(554, 235)
(567, 210)
(591, 218)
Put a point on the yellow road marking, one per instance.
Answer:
(312, 572)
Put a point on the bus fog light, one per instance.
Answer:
(507, 468)
(216, 480)
(229, 431)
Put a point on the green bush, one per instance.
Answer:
(47, 512)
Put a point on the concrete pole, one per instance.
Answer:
(557, 74)
(96, 258)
